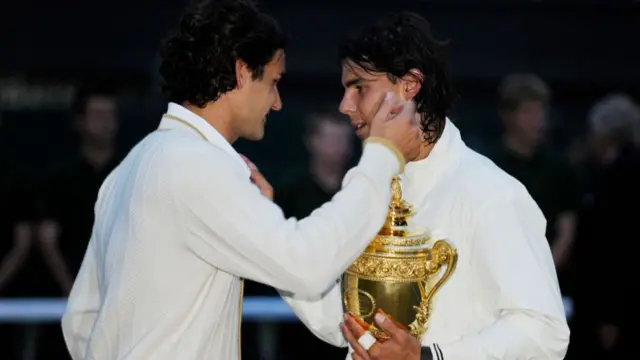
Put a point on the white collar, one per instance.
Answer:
(426, 173)
(210, 133)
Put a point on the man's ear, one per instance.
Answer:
(412, 83)
(242, 74)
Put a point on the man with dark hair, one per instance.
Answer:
(328, 139)
(524, 154)
(72, 187)
(502, 301)
(179, 222)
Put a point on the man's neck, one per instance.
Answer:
(218, 115)
(425, 150)
(97, 155)
(328, 175)
(519, 146)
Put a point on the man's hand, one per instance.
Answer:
(258, 179)
(400, 346)
(398, 123)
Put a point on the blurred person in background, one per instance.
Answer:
(65, 207)
(329, 142)
(525, 154)
(23, 270)
(72, 187)
(20, 276)
(606, 297)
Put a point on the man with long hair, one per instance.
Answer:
(503, 300)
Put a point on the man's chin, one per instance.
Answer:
(363, 137)
(257, 136)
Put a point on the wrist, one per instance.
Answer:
(389, 145)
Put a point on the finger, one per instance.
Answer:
(263, 185)
(354, 326)
(360, 322)
(249, 163)
(385, 108)
(353, 341)
(355, 356)
(389, 326)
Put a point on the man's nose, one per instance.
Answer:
(277, 106)
(346, 106)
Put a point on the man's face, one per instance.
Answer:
(528, 121)
(363, 94)
(331, 141)
(100, 119)
(256, 98)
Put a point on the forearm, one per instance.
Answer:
(11, 263)
(19, 252)
(565, 229)
(56, 263)
(516, 336)
(303, 257)
(322, 316)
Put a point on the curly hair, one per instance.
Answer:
(395, 45)
(198, 60)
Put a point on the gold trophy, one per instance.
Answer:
(398, 273)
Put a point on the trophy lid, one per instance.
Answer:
(397, 230)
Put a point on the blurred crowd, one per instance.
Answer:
(588, 192)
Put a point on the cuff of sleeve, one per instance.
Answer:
(389, 145)
(379, 165)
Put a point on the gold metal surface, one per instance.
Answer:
(399, 272)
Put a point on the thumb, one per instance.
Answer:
(385, 108)
(387, 325)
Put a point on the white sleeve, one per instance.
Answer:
(236, 229)
(511, 249)
(322, 315)
(83, 306)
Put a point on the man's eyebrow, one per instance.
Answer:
(352, 82)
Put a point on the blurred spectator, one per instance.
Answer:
(606, 297)
(21, 273)
(329, 141)
(73, 186)
(69, 195)
(524, 154)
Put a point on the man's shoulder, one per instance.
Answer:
(482, 181)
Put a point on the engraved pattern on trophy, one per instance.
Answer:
(399, 273)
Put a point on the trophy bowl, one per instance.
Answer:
(398, 273)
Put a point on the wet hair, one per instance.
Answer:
(198, 59)
(518, 88)
(396, 44)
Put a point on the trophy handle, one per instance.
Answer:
(350, 307)
(442, 253)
